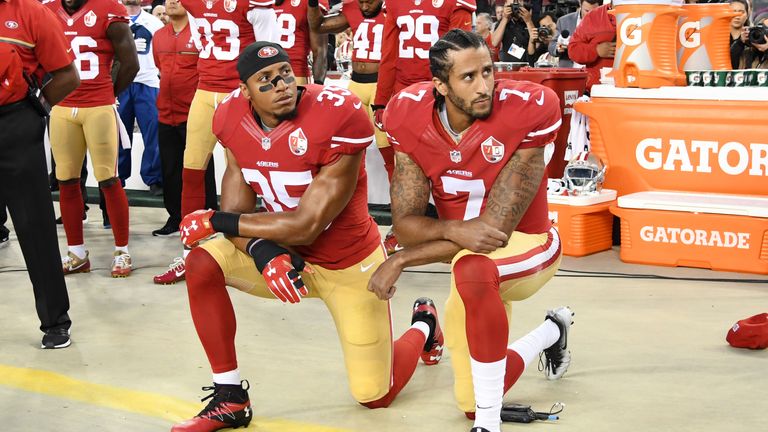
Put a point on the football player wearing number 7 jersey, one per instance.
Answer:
(302, 149)
(98, 32)
(220, 29)
(477, 146)
(366, 19)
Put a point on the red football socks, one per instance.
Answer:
(71, 205)
(117, 209)
(192, 190)
(212, 310)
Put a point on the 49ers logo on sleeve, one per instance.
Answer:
(295, 3)
(297, 142)
(230, 5)
(267, 52)
(493, 150)
(437, 3)
(90, 19)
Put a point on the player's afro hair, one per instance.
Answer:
(455, 40)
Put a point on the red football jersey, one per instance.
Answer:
(221, 30)
(410, 29)
(293, 28)
(86, 31)
(368, 32)
(280, 165)
(524, 115)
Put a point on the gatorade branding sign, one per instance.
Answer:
(690, 34)
(732, 158)
(631, 32)
(698, 237)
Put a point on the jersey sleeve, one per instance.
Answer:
(116, 12)
(544, 107)
(51, 46)
(353, 134)
(396, 124)
(223, 114)
(461, 19)
(386, 81)
(263, 18)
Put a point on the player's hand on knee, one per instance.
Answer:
(196, 226)
(283, 279)
(280, 269)
(477, 236)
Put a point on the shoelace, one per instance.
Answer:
(70, 261)
(122, 261)
(177, 263)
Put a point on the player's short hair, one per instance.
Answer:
(455, 40)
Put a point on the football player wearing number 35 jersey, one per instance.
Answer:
(477, 146)
(98, 32)
(302, 150)
(220, 29)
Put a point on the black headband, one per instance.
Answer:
(257, 56)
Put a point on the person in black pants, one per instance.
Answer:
(173, 140)
(23, 173)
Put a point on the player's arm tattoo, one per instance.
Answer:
(409, 191)
(514, 189)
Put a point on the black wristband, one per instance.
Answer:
(313, 3)
(227, 223)
(263, 251)
(377, 107)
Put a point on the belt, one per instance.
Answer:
(15, 106)
(365, 78)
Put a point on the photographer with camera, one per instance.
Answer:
(545, 36)
(739, 37)
(753, 51)
(516, 33)
(566, 25)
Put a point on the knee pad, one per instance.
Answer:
(368, 390)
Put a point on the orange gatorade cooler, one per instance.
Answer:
(646, 40)
(703, 37)
(719, 232)
(585, 223)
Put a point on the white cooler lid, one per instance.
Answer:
(684, 93)
(579, 201)
(739, 205)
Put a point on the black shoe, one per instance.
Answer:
(5, 237)
(229, 408)
(168, 229)
(156, 190)
(56, 338)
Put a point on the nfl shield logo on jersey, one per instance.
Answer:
(455, 156)
(230, 5)
(266, 143)
(492, 149)
(297, 142)
(90, 19)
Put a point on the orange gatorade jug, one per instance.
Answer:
(702, 42)
(646, 40)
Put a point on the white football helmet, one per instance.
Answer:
(584, 174)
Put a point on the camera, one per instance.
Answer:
(544, 32)
(757, 34)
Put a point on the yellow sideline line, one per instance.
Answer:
(143, 403)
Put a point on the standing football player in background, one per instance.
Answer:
(299, 39)
(98, 32)
(221, 30)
